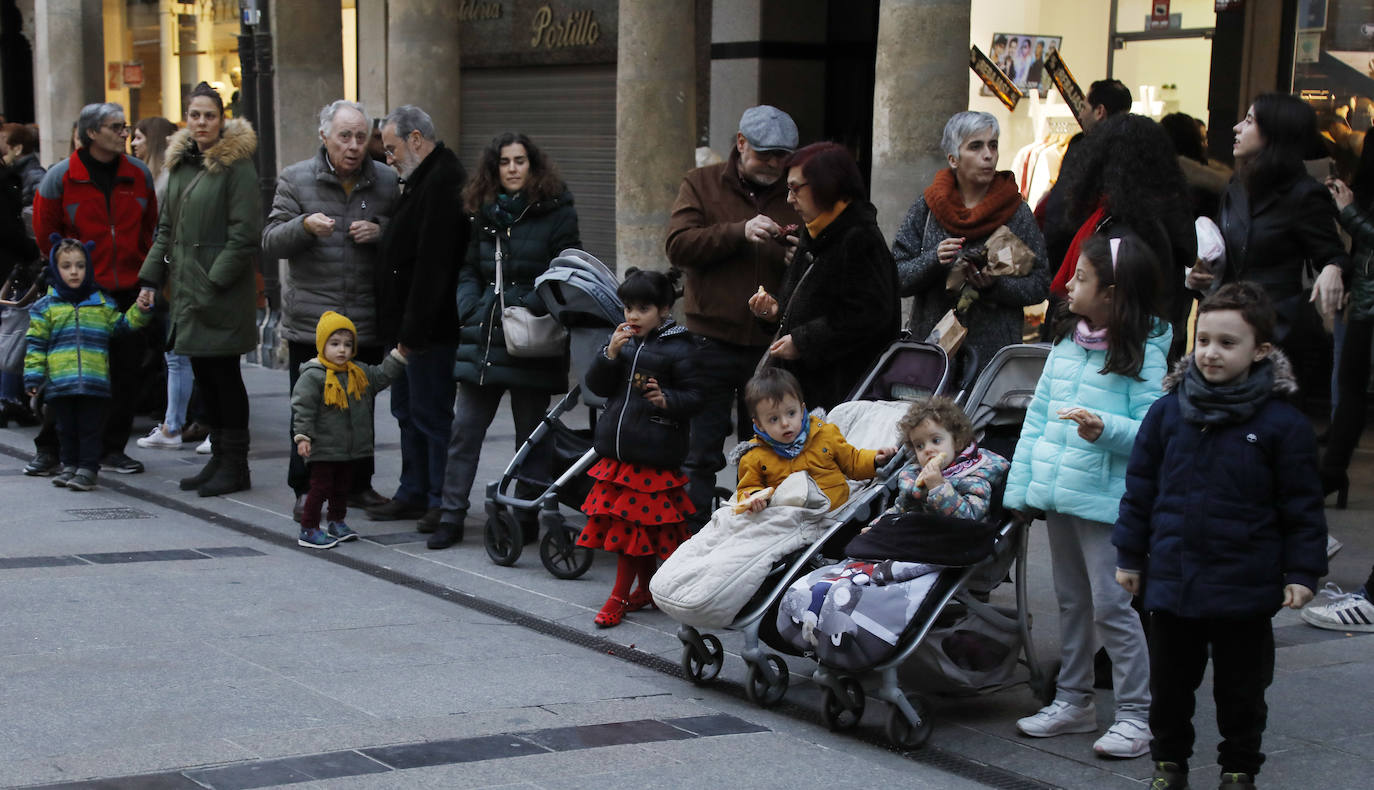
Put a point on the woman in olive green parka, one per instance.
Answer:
(203, 259)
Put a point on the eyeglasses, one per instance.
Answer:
(795, 189)
(118, 128)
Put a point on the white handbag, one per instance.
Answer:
(526, 334)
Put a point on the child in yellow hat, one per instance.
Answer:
(332, 424)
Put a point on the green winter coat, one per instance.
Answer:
(207, 261)
(1360, 226)
(545, 229)
(338, 434)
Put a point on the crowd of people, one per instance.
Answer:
(404, 269)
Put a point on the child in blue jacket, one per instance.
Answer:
(1101, 377)
(1222, 524)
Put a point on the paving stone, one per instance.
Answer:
(465, 750)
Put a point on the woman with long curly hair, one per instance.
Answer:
(1126, 173)
(522, 217)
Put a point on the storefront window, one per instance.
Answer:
(157, 50)
(1333, 69)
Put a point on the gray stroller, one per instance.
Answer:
(580, 292)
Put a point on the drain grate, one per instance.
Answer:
(106, 514)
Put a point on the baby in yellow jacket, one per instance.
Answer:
(787, 439)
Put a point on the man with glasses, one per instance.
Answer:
(731, 231)
(326, 221)
(102, 194)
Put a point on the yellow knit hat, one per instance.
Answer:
(330, 323)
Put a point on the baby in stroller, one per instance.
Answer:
(847, 613)
(794, 472)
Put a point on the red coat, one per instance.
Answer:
(68, 202)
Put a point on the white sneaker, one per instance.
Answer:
(1332, 546)
(1340, 611)
(204, 447)
(1126, 738)
(157, 439)
(1059, 718)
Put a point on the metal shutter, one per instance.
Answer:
(569, 112)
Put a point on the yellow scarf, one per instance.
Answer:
(823, 221)
(334, 394)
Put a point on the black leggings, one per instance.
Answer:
(222, 393)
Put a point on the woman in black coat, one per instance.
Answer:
(838, 307)
(1276, 219)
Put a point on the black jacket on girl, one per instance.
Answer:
(632, 429)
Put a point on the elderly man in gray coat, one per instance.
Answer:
(326, 221)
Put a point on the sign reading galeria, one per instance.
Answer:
(526, 33)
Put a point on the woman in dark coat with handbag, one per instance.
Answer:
(522, 217)
(838, 306)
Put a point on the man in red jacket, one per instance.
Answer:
(103, 195)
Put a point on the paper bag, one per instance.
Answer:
(1002, 255)
(948, 334)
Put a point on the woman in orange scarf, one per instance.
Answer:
(961, 208)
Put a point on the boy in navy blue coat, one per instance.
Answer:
(1221, 525)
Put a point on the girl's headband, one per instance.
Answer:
(1115, 245)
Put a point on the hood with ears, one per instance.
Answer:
(236, 143)
(66, 292)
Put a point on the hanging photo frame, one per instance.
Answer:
(993, 77)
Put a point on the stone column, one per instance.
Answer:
(307, 50)
(422, 61)
(68, 69)
(171, 63)
(372, 56)
(921, 80)
(655, 122)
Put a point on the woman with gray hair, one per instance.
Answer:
(964, 205)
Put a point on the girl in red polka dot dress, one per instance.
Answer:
(638, 503)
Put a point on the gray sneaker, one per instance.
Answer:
(63, 477)
(1059, 718)
(83, 480)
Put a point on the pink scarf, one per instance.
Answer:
(1089, 338)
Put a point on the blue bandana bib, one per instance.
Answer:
(791, 449)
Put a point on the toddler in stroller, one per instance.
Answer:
(848, 614)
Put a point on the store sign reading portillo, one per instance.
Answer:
(533, 33)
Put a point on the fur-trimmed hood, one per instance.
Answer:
(238, 142)
(1285, 382)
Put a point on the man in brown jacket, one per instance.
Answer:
(727, 235)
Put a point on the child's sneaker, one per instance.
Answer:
(204, 447)
(1169, 776)
(1236, 781)
(64, 476)
(341, 532)
(159, 439)
(1059, 718)
(316, 538)
(1340, 611)
(1126, 738)
(83, 480)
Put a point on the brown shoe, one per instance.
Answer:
(395, 510)
(428, 522)
(366, 499)
(195, 433)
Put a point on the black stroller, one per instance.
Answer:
(580, 292)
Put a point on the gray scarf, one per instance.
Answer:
(1210, 404)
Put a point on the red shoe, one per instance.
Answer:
(612, 612)
(640, 599)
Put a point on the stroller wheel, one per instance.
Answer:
(902, 732)
(561, 555)
(701, 668)
(504, 538)
(843, 710)
(757, 687)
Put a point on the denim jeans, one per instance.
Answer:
(729, 367)
(297, 476)
(422, 403)
(179, 382)
(476, 409)
(79, 421)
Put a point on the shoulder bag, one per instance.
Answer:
(527, 335)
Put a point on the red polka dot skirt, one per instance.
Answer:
(635, 510)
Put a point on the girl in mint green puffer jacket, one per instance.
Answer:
(1106, 369)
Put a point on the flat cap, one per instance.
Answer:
(768, 129)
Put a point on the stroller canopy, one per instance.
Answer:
(579, 291)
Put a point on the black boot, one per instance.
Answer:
(198, 479)
(232, 474)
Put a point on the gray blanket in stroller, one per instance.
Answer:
(851, 615)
